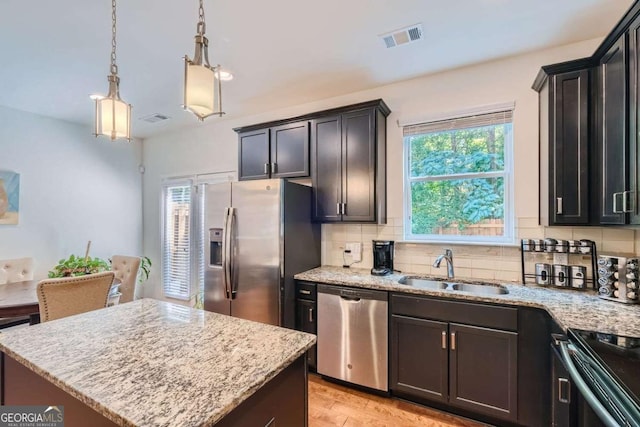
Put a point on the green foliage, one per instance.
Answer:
(446, 200)
(78, 266)
(145, 269)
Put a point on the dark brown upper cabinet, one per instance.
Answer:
(589, 133)
(612, 151)
(275, 152)
(348, 164)
(564, 149)
(343, 149)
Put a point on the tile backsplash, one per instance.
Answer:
(470, 261)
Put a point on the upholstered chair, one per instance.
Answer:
(73, 295)
(16, 270)
(126, 270)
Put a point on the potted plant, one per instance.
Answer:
(78, 266)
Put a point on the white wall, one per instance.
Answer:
(73, 188)
(213, 147)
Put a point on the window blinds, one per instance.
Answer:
(176, 262)
(475, 121)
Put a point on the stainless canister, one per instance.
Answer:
(550, 245)
(573, 246)
(561, 275)
(538, 245)
(528, 245)
(578, 276)
(562, 246)
(543, 274)
(585, 246)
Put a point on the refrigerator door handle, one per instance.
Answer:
(232, 252)
(225, 254)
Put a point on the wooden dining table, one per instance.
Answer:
(19, 299)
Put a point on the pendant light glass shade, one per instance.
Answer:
(113, 115)
(202, 85)
(200, 90)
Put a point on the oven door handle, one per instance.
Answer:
(584, 389)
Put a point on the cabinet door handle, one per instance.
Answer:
(615, 203)
(453, 341)
(559, 205)
(310, 314)
(273, 168)
(566, 396)
(338, 208)
(266, 168)
(271, 423)
(444, 340)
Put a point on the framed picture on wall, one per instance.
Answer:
(9, 197)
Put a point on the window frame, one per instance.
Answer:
(166, 184)
(508, 174)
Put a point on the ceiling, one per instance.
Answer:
(282, 52)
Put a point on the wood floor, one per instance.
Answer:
(333, 405)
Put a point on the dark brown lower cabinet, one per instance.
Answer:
(425, 338)
(483, 369)
(455, 365)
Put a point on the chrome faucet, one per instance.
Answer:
(448, 256)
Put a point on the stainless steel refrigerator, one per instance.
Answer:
(259, 234)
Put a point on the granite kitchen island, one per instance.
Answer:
(151, 363)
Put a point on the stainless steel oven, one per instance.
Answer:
(596, 380)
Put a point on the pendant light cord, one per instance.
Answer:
(114, 67)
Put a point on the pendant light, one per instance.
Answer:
(113, 115)
(202, 82)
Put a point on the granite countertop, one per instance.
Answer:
(152, 363)
(569, 308)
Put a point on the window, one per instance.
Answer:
(458, 179)
(176, 239)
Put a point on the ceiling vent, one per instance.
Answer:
(403, 36)
(155, 118)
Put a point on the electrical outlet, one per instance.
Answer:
(356, 251)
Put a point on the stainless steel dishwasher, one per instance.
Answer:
(352, 335)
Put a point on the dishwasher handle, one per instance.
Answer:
(350, 298)
(352, 293)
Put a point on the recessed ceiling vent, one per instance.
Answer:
(155, 118)
(403, 36)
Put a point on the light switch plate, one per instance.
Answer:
(356, 250)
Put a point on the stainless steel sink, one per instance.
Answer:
(479, 289)
(423, 283)
(486, 289)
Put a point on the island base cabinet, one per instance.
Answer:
(483, 370)
(21, 387)
(280, 402)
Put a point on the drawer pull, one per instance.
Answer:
(566, 396)
(305, 292)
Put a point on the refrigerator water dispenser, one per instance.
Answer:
(215, 244)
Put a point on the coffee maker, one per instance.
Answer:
(382, 257)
